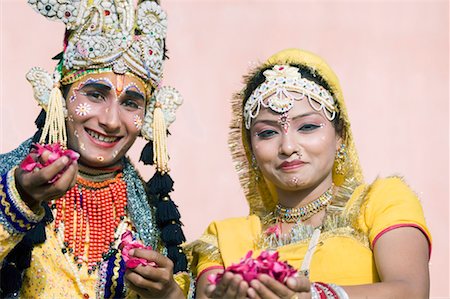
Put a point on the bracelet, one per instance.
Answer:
(320, 290)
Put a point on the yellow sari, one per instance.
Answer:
(357, 216)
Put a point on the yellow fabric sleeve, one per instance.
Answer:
(223, 243)
(184, 282)
(390, 204)
(16, 218)
(204, 252)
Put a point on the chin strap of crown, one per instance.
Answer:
(159, 115)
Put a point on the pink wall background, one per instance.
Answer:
(391, 57)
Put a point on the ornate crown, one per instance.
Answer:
(110, 33)
(276, 93)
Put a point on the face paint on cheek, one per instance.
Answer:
(73, 97)
(82, 146)
(83, 109)
(107, 110)
(115, 154)
(137, 122)
(70, 118)
(76, 133)
(284, 122)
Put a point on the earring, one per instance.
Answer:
(255, 168)
(341, 156)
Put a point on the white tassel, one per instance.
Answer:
(160, 154)
(55, 125)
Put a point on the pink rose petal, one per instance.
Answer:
(265, 263)
(127, 243)
(56, 152)
(28, 164)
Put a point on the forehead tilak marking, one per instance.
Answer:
(284, 122)
(120, 79)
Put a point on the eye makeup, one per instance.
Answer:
(100, 83)
(133, 90)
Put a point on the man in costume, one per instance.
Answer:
(76, 219)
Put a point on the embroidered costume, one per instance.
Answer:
(357, 214)
(70, 247)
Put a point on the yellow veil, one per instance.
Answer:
(259, 192)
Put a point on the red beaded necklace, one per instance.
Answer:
(90, 213)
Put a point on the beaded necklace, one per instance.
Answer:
(293, 215)
(90, 212)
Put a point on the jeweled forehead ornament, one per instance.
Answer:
(114, 34)
(282, 86)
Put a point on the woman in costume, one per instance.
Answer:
(294, 152)
(92, 227)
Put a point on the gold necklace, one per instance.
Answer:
(293, 215)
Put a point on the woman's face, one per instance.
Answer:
(105, 115)
(295, 150)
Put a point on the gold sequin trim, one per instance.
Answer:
(115, 274)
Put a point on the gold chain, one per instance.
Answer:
(293, 215)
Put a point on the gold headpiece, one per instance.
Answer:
(259, 192)
(276, 93)
(110, 33)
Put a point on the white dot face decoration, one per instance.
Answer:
(284, 85)
(104, 81)
(83, 109)
(138, 122)
(131, 87)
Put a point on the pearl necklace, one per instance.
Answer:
(293, 215)
(123, 226)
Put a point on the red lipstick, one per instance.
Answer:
(291, 165)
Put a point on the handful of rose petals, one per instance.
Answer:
(249, 268)
(29, 164)
(126, 245)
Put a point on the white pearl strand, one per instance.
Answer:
(121, 228)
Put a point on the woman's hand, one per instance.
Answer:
(34, 187)
(230, 286)
(153, 282)
(266, 287)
